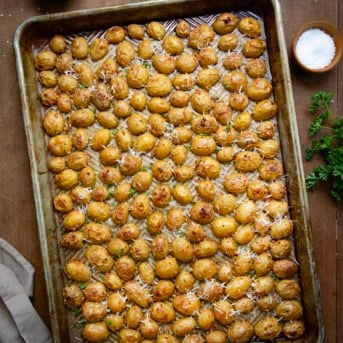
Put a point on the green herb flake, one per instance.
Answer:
(79, 325)
(274, 277)
(83, 285)
(146, 64)
(76, 312)
(145, 168)
(83, 86)
(132, 191)
(228, 128)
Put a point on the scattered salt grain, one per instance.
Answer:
(315, 49)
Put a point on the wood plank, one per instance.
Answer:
(322, 209)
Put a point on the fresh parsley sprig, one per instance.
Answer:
(330, 146)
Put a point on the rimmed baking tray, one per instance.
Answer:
(33, 30)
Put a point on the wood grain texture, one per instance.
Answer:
(17, 214)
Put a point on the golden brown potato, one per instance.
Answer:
(242, 263)
(183, 82)
(225, 23)
(114, 322)
(179, 116)
(107, 69)
(289, 309)
(207, 78)
(140, 250)
(182, 249)
(49, 97)
(113, 281)
(149, 328)
(204, 268)
(123, 139)
(202, 212)
(163, 63)
(238, 101)
(256, 68)
(125, 268)
(262, 223)
(266, 129)
(115, 34)
(137, 294)
(242, 121)
(161, 195)
(186, 63)
(240, 331)
(110, 175)
(265, 110)
(163, 290)
(260, 244)
(85, 74)
(160, 246)
(236, 183)
(223, 226)
(120, 213)
(119, 88)
(138, 102)
(216, 337)
(168, 268)
(208, 167)
(224, 204)
(254, 48)
(226, 154)
(146, 272)
(64, 103)
(72, 296)
(162, 171)
(263, 264)
(116, 302)
(130, 164)
(257, 190)
(158, 85)
(135, 31)
(235, 81)
(228, 42)
(179, 154)
(185, 326)
(100, 193)
(140, 206)
(125, 53)
(244, 305)
(98, 211)
(179, 99)
(271, 170)
(293, 329)
(57, 164)
(184, 281)
(155, 222)
(101, 96)
(184, 173)
(182, 29)
(45, 60)
(173, 45)
(99, 257)
(156, 30)
(129, 335)
(247, 161)
(223, 312)
(206, 248)
(250, 26)
(203, 145)
(245, 212)
(48, 78)
(175, 218)
(137, 76)
(163, 148)
(206, 190)
(222, 112)
(277, 208)
(72, 240)
(195, 232)
(182, 194)
(186, 304)
(259, 89)
(67, 179)
(225, 135)
(95, 332)
(145, 49)
(288, 289)
(232, 61)
(277, 190)
(162, 312)
(109, 156)
(57, 44)
(238, 286)
(117, 247)
(53, 123)
(204, 124)
(201, 101)
(205, 319)
(98, 49)
(97, 233)
(158, 105)
(100, 139)
(82, 118)
(247, 140)
(142, 181)
(79, 48)
(129, 231)
(74, 220)
(80, 195)
(121, 109)
(107, 119)
(95, 291)
(285, 268)
(77, 270)
(244, 234)
(201, 36)
(82, 97)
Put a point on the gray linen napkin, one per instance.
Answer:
(19, 322)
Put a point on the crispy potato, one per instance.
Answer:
(79, 48)
(254, 48)
(115, 34)
(45, 60)
(156, 30)
(72, 240)
(137, 294)
(186, 304)
(168, 268)
(201, 36)
(162, 312)
(95, 332)
(77, 270)
(223, 312)
(72, 296)
(125, 53)
(240, 331)
(182, 29)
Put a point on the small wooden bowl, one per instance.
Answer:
(331, 31)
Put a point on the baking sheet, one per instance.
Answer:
(287, 126)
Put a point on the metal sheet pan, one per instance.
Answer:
(35, 29)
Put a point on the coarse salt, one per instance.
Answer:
(315, 49)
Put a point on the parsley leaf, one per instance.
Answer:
(330, 147)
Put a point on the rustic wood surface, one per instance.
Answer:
(17, 214)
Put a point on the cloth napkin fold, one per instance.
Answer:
(19, 321)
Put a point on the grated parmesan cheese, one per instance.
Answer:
(315, 49)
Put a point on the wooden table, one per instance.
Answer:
(17, 214)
